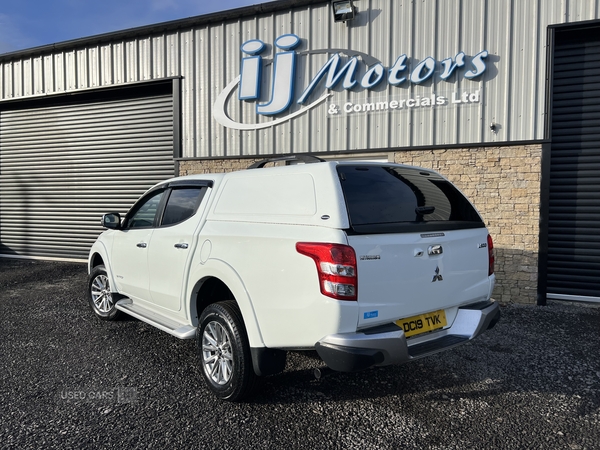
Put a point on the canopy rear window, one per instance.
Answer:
(384, 199)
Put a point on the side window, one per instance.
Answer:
(145, 212)
(182, 204)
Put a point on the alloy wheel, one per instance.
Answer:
(217, 356)
(101, 295)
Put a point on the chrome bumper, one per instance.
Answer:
(385, 345)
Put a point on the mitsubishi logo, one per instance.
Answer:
(437, 276)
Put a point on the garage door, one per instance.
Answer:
(63, 166)
(573, 271)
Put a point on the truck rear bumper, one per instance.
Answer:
(385, 345)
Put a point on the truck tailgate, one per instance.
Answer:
(408, 274)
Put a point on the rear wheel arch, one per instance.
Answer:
(96, 260)
(212, 290)
(228, 281)
(207, 291)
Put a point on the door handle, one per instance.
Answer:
(183, 246)
(142, 245)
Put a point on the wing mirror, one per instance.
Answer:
(112, 221)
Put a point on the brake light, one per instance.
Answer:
(491, 257)
(336, 267)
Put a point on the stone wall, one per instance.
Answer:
(504, 185)
(190, 167)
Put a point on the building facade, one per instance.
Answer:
(500, 96)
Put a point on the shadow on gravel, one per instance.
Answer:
(536, 350)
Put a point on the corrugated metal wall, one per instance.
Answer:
(208, 58)
(62, 167)
(573, 262)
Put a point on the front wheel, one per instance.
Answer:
(102, 300)
(224, 351)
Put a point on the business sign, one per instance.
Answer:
(285, 92)
(382, 104)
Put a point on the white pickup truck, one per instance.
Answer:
(368, 263)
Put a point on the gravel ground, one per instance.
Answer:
(69, 380)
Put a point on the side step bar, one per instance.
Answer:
(162, 323)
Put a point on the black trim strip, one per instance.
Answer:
(409, 227)
(190, 183)
(103, 94)
(176, 122)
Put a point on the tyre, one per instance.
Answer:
(224, 352)
(101, 299)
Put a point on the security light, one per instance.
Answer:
(343, 11)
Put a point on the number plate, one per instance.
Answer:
(423, 323)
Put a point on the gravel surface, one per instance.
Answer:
(69, 380)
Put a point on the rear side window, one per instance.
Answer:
(182, 204)
(392, 199)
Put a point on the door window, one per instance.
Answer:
(144, 213)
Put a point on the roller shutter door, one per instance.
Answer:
(62, 167)
(573, 267)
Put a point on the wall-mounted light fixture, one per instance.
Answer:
(343, 11)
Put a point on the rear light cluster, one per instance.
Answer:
(491, 258)
(336, 267)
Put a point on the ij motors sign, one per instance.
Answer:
(357, 71)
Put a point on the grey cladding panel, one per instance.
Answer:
(206, 54)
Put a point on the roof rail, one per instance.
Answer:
(307, 159)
